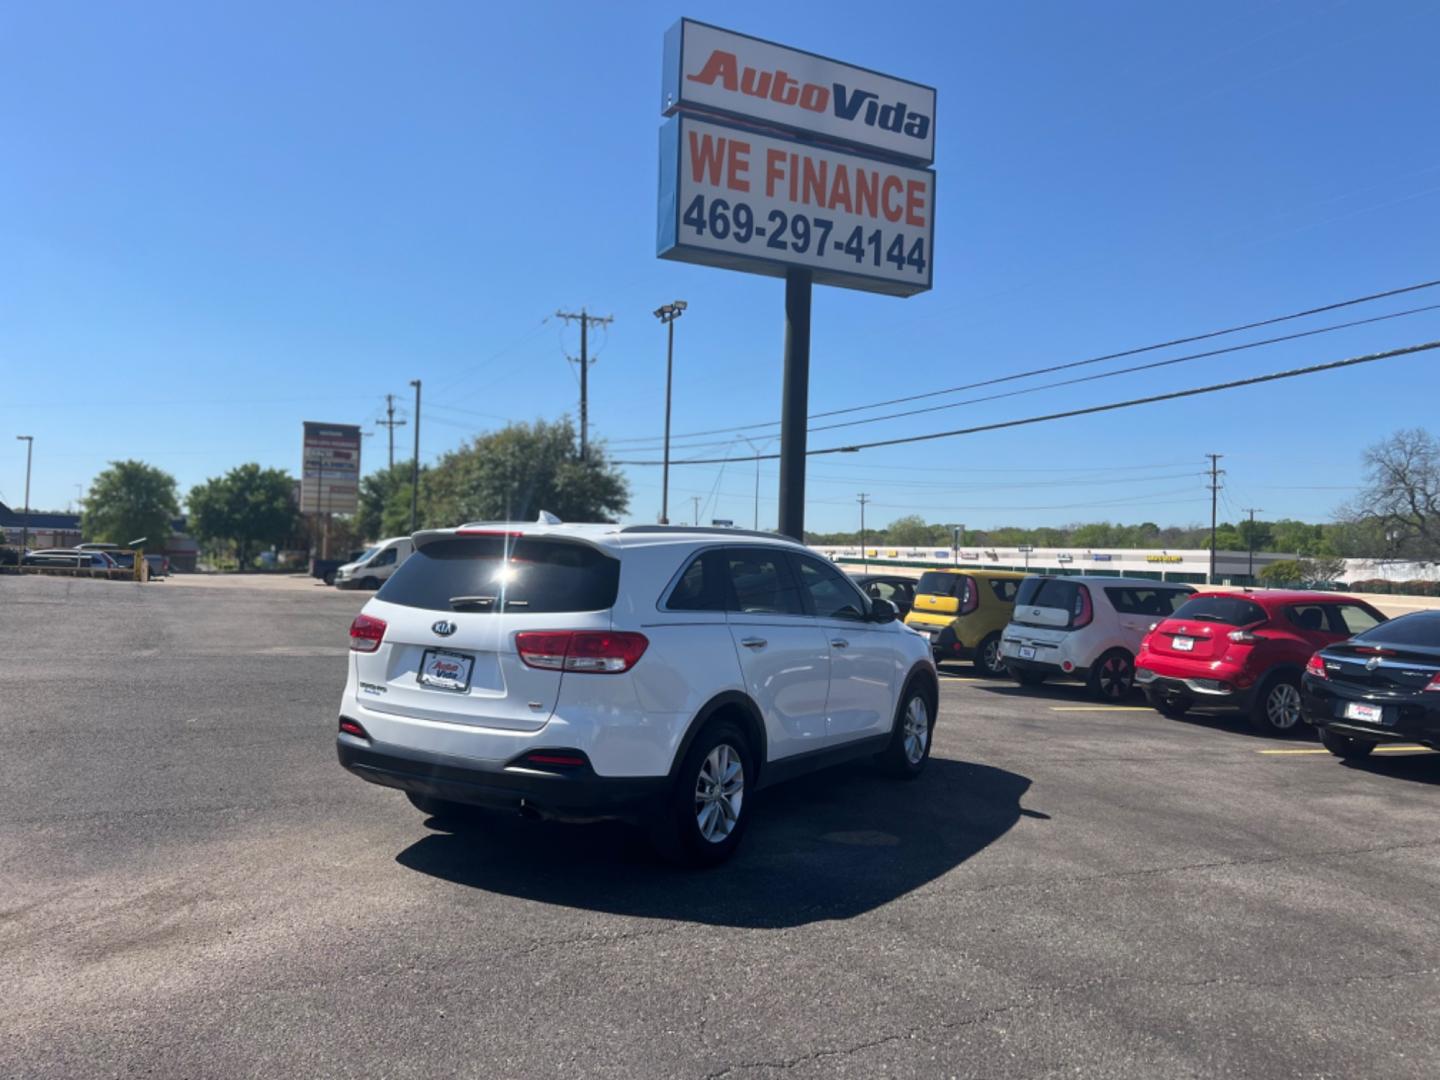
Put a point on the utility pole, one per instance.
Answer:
(415, 465)
(667, 314)
(1215, 473)
(391, 423)
(750, 442)
(1250, 541)
(586, 321)
(959, 535)
(29, 441)
(862, 499)
(695, 499)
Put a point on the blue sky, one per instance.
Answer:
(217, 221)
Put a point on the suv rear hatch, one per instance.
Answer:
(1049, 608)
(942, 593)
(453, 612)
(1201, 627)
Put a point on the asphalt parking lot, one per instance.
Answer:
(190, 886)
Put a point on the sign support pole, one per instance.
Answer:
(795, 405)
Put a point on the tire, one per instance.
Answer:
(988, 661)
(1345, 747)
(911, 735)
(708, 810)
(1112, 676)
(1172, 708)
(1027, 678)
(329, 577)
(444, 810)
(1276, 710)
(370, 583)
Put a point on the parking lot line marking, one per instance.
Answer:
(1100, 708)
(1402, 749)
(963, 678)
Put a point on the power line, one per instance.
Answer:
(585, 321)
(1173, 395)
(1075, 363)
(391, 423)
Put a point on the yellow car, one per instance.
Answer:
(963, 613)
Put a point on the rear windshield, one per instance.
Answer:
(473, 574)
(1422, 628)
(935, 584)
(1049, 592)
(1229, 610)
(1142, 600)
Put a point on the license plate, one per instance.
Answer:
(1027, 652)
(1370, 714)
(1183, 644)
(445, 670)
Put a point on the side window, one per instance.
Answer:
(881, 590)
(1136, 601)
(831, 594)
(701, 587)
(1351, 619)
(761, 583)
(1004, 589)
(1309, 617)
(385, 558)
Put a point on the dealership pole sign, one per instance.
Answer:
(330, 477)
(781, 162)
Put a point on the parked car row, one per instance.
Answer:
(94, 560)
(1282, 658)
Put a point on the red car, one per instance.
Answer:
(1244, 650)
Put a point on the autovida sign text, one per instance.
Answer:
(746, 201)
(774, 159)
(711, 70)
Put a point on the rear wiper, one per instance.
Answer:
(1205, 618)
(466, 601)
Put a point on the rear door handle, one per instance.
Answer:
(754, 642)
(839, 643)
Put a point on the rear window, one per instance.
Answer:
(1004, 589)
(1422, 628)
(1049, 593)
(935, 584)
(1229, 610)
(473, 574)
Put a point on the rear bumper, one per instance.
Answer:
(572, 795)
(945, 644)
(1202, 690)
(1407, 721)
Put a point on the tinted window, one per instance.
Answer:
(1138, 600)
(1229, 610)
(1004, 589)
(540, 575)
(894, 591)
(702, 587)
(1421, 628)
(938, 584)
(1353, 619)
(761, 583)
(385, 558)
(1050, 593)
(831, 593)
(1310, 617)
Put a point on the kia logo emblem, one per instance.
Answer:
(443, 628)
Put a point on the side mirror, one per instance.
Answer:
(883, 611)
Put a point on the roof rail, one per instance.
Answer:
(717, 530)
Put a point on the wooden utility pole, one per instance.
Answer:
(391, 423)
(1215, 474)
(586, 321)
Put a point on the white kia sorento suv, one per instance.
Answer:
(654, 674)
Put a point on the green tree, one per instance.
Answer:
(384, 503)
(913, 531)
(515, 473)
(246, 509)
(130, 500)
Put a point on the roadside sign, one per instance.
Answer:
(717, 70)
(744, 201)
(330, 476)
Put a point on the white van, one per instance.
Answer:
(372, 568)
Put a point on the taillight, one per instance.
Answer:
(1084, 609)
(554, 759)
(971, 600)
(599, 652)
(366, 633)
(1433, 684)
(352, 727)
(1245, 637)
(1316, 666)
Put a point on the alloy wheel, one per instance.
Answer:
(1282, 706)
(719, 793)
(917, 729)
(1115, 677)
(990, 658)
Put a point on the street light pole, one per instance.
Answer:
(415, 465)
(757, 449)
(667, 314)
(25, 527)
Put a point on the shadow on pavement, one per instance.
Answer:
(1418, 768)
(832, 845)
